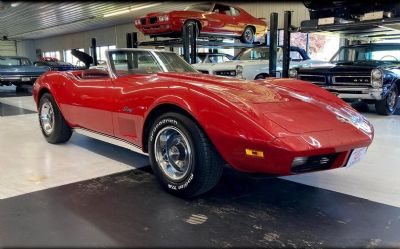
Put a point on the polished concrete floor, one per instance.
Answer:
(89, 193)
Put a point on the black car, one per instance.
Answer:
(56, 65)
(368, 72)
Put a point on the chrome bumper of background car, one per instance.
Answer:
(18, 78)
(355, 92)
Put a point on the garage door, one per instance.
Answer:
(8, 48)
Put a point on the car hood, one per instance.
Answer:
(228, 64)
(294, 111)
(12, 70)
(345, 67)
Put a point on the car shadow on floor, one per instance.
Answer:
(130, 209)
(366, 108)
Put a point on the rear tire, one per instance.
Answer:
(248, 35)
(387, 106)
(261, 76)
(52, 123)
(183, 159)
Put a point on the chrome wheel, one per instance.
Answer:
(391, 100)
(47, 117)
(173, 153)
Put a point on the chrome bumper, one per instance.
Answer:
(18, 78)
(356, 92)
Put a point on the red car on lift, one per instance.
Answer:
(191, 124)
(211, 19)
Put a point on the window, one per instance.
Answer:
(222, 9)
(101, 52)
(143, 62)
(14, 61)
(202, 7)
(295, 56)
(52, 54)
(234, 12)
(367, 52)
(253, 54)
(68, 57)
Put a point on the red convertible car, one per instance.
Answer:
(211, 19)
(191, 124)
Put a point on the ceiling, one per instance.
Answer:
(31, 20)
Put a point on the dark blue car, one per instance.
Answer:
(17, 70)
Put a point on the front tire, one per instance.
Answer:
(52, 123)
(387, 106)
(183, 159)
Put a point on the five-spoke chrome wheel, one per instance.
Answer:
(47, 117)
(173, 153)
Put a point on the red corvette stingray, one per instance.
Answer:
(190, 123)
(211, 19)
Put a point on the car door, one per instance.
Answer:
(128, 100)
(91, 102)
(220, 20)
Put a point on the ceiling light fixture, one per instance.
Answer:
(130, 9)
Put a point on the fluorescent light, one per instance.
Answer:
(130, 9)
(15, 4)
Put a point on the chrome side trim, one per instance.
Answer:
(110, 139)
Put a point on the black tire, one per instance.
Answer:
(386, 106)
(61, 132)
(189, 23)
(248, 35)
(261, 76)
(206, 167)
(19, 89)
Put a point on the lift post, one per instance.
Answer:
(128, 40)
(134, 40)
(273, 43)
(94, 51)
(287, 23)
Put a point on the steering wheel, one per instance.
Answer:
(389, 56)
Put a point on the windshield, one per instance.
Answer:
(10, 61)
(199, 7)
(253, 54)
(144, 62)
(368, 53)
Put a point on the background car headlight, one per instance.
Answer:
(293, 73)
(163, 18)
(239, 71)
(376, 78)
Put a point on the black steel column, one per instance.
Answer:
(94, 52)
(287, 23)
(185, 43)
(193, 43)
(128, 40)
(134, 40)
(273, 43)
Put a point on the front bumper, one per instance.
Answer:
(356, 92)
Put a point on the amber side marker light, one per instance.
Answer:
(254, 153)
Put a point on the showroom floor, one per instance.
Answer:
(89, 193)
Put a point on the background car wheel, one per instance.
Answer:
(387, 106)
(183, 159)
(261, 76)
(52, 123)
(248, 35)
